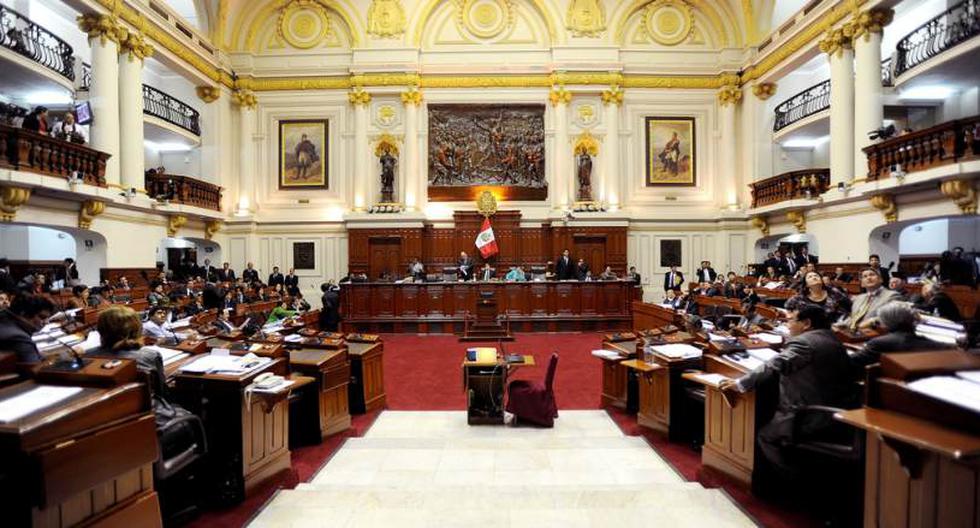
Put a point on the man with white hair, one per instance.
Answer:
(899, 320)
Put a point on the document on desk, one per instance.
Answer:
(969, 375)
(677, 350)
(169, 355)
(950, 389)
(762, 354)
(293, 338)
(92, 341)
(212, 364)
(766, 337)
(179, 323)
(606, 354)
(34, 400)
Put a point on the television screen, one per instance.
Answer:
(83, 113)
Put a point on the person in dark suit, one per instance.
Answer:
(874, 262)
(899, 320)
(37, 121)
(250, 274)
(813, 369)
(564, 268)
(69, 273)
(771, 261)
(275, 277)
(7, 282)
(486, 272)
(706, 273)
(330, 312)
(788, 265)
(936, 302)
(634, 276)
(226, 274)
(25, 316)
(805, 257)
(841, 276)
(673, 279)
(464, 266)
(208, 272)
(291, 282)
(581, 270)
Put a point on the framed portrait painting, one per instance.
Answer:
(303, 154)
(671, 154)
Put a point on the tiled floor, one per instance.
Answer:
(430, 469)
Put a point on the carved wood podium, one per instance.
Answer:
(487, 325)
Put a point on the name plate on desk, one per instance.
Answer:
(193, 346)
(96, 372)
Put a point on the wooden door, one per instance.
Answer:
(385, 256)
(593, 250)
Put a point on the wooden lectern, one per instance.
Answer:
(487, 326)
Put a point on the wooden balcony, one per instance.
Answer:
(792, 185)
(943, 144)
(32, 152)
(183, 190)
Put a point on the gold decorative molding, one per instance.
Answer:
(11, 198)
(244, 98)
(836, 41)
(668, 22)
(586, 18)
(386, 19)
(358, 97)
(208, 94)
(871, 21)
(962, 193)
(798, 219)
(486, 204)
(104, 27)
(89, 210)
(559, 95)
(614, 95)
(886, 204)
(135, 46)
(211, 227)
(303, 24)
(586, 143)
(760, 223)
(729, 95)
(412, 97)
(764, 90)
(175, 222)
(485, 19)
(386, 143)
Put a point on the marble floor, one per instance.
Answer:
(431, 469)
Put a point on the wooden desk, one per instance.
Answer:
(661, 396)
(246, 443)
(367, 386)
(87, 460)
(615, 381)
(331, 372)
(648, 315)
(484, 383)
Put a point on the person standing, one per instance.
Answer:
(464, 266)
(276, 277)
(706, 273)
(673, 279)
(564, 268)
(330, 312)
(291, 282)
(250, 274)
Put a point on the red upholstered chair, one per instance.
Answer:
(533, 401)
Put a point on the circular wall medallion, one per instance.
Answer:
(303, 26)
(486, 18)
(668, 22)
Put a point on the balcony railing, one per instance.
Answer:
(183, 190)
(86, 77)
(32, 152)
(171, 110)
(804, 104)
(20, 35)
(957, 24)
(794, 185)
(886, 73)
(942, 144)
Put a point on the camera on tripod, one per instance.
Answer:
(882, 133)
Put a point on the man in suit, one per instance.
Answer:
(936, 302)
(291, 282)
(564, 268)
(673, 279)
(330, 313)
(209, 272)
(25, 316)
(276, 277)
(706, 273)
(898, 318)
(813, 369)
(805, 257)
(874, 262)
(841, 276)
(581, 270)
(7, 282)
(250, 274)
(771, 261)
(486, 272)
(464, 266)
(226, 274)
(634, 276)
(864, 308)
(69, 273)
(788, 265)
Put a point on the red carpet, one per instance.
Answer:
(423, 373)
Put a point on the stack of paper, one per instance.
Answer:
(677, 350)
(93, 341)
(772, 339)
(275, 389)
(180, 323)
(763, 354)
(940, 330)
(215, 364)
(293, 338)
(606, 354)
(750, 362)
(952, 389)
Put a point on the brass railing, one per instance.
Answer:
(793, 185)
(171, 110)
(183, 190)
(29, 151)
(22, 36)
(804, 104)
(957, 24)
(942, 144)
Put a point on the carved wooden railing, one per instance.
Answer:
(942, 144)
(804, 104)
(171, 110)
(807, 183)
(183, 190)
(22, 36)
(29, 151)
(957, 24)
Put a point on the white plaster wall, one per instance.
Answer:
(926, 238)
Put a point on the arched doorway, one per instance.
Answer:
(178, 254)
(915, 244)
(41, 247)
(785, 241)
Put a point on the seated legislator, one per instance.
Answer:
(222, 323)
(899, 319)
(581, 270)
(486, 273)
(464, 267)
(157, 297)
(608, 274)
(515, 274)
(120, 332)
(155, 326)
(813, 291)
(25, 316)
(936, 302)
(813, 369)
(280, 312)
(674, 300)
(634, 276)
(864, 307)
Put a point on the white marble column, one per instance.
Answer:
(563, 185)
(868, 109)
(414, 189)
(246, 102)
(363, 190)
(612, 99)
(103, 36)
(132, 51)
(837, 45)
(728, 98)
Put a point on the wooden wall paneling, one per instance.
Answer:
(538, 299)
(407, 304)
(383, 301)
(566, 300)
(588, 298)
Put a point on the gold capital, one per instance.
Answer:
(871, 21)
(358, 97)
(729, 95)
(798, 219)
(244, 98)
(208, 94)
(105, 27)
(412, 97)
(837, 40)
(211, 228)
(134, 45)
(761, 224)
(11, 198)
(614, 95)
(559, 95)
(962, 193)
(764, 90)
(174, 223)
(89, 210)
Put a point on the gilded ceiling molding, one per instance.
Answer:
(836, 41)
(586, 18)
(303, 24)
(798, 219)
(208, 94)
(962, 193)
(486, 81)
(886, 204)
(709, 82)
(87, 213)
(386, 19)
(870, 21)
(764, 90)
(426, 13)
(708, 8)
(103, 27)
(730, 94)
(748, 16)
(11, 199)
(559, 95)
(135, 46)
(174, 223)
(385, 79)
(614, 95)
(272, 84)
(211, 228)
(274, 9)
(760, 223)
(219, 29)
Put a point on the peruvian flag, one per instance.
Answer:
(485, 241)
